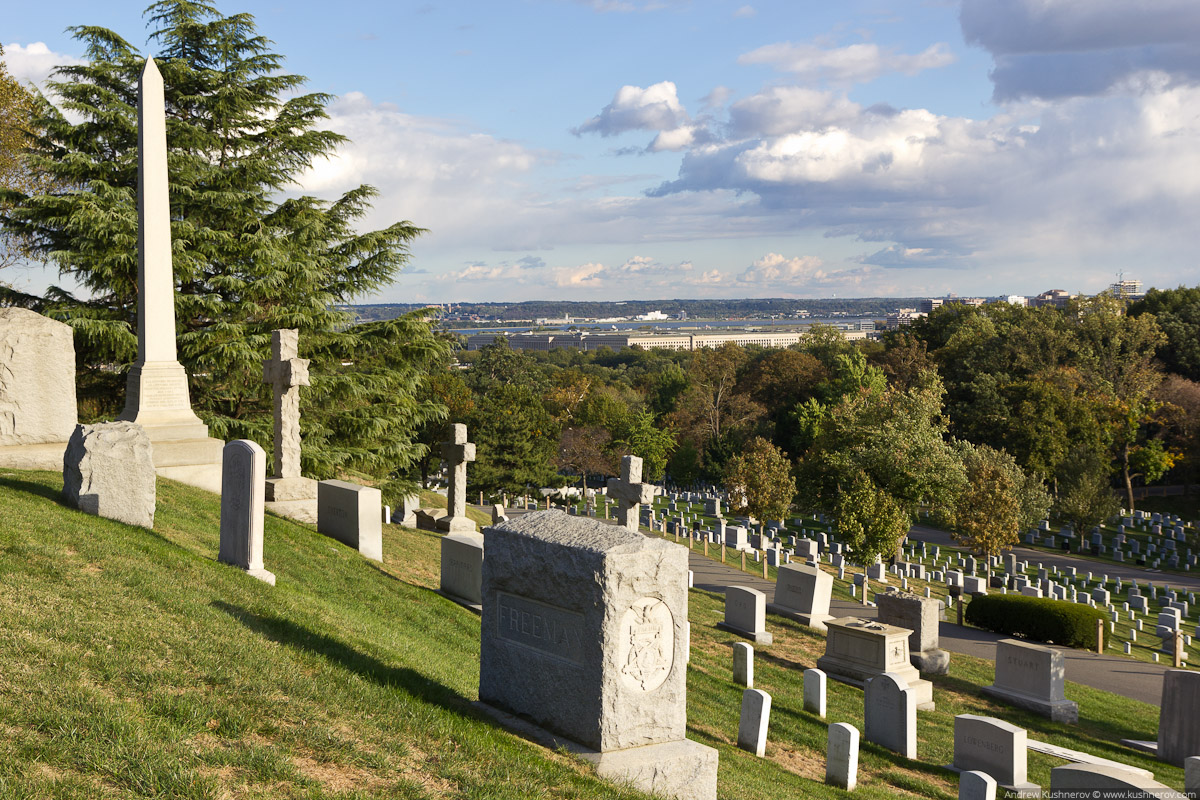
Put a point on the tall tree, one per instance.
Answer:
(997, 500)
(18, 110)
(247, 258)
(759, 481)
(1177, 312)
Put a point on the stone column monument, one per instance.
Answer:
(287, 373)
(630, 492)
(156, 394)
(457, 453)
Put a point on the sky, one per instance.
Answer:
(643, 149)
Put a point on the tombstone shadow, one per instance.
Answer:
(298, 637)
(29, 487)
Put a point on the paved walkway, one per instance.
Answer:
(1124, 676)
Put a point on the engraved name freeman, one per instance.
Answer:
(548, 629)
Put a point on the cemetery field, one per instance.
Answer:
(132, 664)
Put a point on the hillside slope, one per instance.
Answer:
(132, 664)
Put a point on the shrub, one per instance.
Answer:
(1038, 618)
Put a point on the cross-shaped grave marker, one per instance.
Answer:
(630, 492)
(457, 453)
(287, 373)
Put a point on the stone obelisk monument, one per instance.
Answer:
(156, 394)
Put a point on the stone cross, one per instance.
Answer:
(630, 492)
(286, 373)
(457, 453)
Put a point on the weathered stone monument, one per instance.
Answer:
(156, 391)
(287, 372)
(457, 453)
(1102, 780)
(890, 714)
(462, 569)
(243, 475)
(108, 470)
(859, 649)
(1031, 676)
(921, 615)
(630, 492)
(746, 613)
(353, 515)
(584, 632)
(37, 390)
(995, 748)
(802, 593)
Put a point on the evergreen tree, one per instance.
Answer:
(247, 258)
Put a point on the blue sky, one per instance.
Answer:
(614, 149)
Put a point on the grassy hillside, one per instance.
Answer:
(133, 665)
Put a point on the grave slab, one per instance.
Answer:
(745, 614)
(802, 593)
(462, 569)
(859, 649)
(1032, 677)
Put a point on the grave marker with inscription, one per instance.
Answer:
(746, 613)
(995, 748)
(859, 649)
(802, 593)
(243, 474)
(1032, 677)
(353, 515)
(462, 569)
(584, 632)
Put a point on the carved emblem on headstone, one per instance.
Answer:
(647, 644)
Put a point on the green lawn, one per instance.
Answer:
(133, 665)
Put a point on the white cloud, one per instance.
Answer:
(34, 62)
(776, 269)
(1064, 48)
(856, 63)
(779, 110)
(655, 108)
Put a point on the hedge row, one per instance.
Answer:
(1038, 618)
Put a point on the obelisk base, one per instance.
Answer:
(156, 397)
(46, 455)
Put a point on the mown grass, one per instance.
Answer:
(134, 665)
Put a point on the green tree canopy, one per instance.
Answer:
(248, 258)
(759, 481)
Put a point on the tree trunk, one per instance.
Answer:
(1126, 476)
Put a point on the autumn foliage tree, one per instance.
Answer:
(759, 481)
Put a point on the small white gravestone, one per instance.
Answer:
(108, 471)
(752, 726)
(890, 714)
(1031, 676)
(996, 748)
(457, 453)
(746, 614)
(802, 593)
(351, 514)
(243, 477)
(584, 632)
(37, 389)
(462, 569)
(1105, 780)
(743, 665)
(841, 756)
(815, 687)
(973, 785)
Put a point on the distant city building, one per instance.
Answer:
(652, 316)
(927, 306)
(584, 340)
(566, 320)
(903, 317)
(1055, 297)
(1127, 289)
(1017, 300)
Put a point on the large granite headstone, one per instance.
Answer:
(746, 614)
(1178, 733)
(353, 515)
(584, 632)
(37, 390)
(859, 649)
(921, 615)
(1031, 676)
(802, 593)
(890, 714)
(996, 748)
(108, 470)
(462, 569)
(243, 477)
